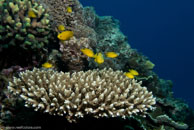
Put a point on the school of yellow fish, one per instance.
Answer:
(98, 57)
(131, 74)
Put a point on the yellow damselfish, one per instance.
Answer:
(69, 9)
(47, 65)
(61, 27)
(31, 14)
(111, 54)
(88, 52)
(133, 72)
(99, 58)
(66, 35)
(129, 75)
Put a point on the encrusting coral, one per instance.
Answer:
(23, 23)
(164, 119)
(99, 93)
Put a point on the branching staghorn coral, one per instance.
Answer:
(99, 93)
(23, 23)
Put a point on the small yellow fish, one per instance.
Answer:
(69, 9)
(95, 55)
(47, 65)
(31, 14)
(111, 54)
(66, 35)
(133, 72)
(99, 58)
(87, 52)
(61, 27)
(129, 75)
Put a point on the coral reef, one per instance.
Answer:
(75, 21)
(176, 109)
(24, 32)
(81, 22)
(104, 93)
(19, 28)
(110, 39)
(71, 85)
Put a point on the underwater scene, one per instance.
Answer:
(96, 65)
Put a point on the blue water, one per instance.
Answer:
(163, 30)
